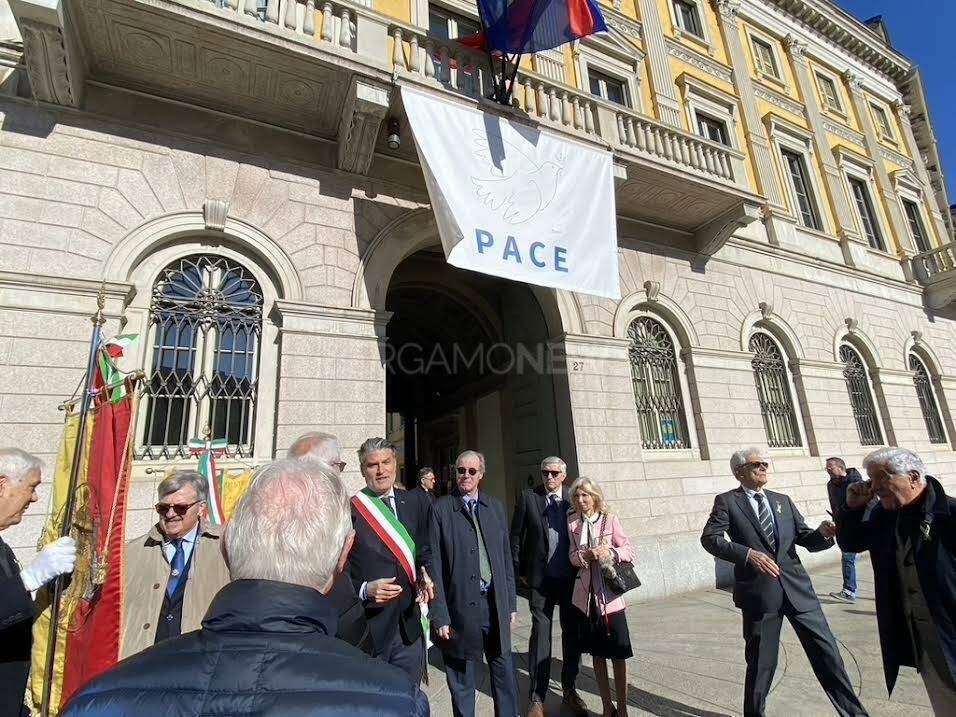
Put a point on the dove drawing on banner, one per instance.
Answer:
(521, 186)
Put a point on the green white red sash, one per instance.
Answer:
(389, 529)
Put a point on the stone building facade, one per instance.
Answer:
(786, 272)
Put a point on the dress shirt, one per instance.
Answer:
(753, 504)
(169, 548)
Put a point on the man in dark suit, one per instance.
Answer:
(19, 478)
(771, 583)
(389, 563)
(539, 548)
(911, 536)
(352, 626)
(475, 602)
(841, 478)
(426, 483)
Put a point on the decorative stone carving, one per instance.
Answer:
(55, 75)
(781, 101)
(701, 62)
(903, 110)
(215, 212)
(713, 235)
(844, 132)
(766, 309)
(365, 109)
(727, 9)
(653, 289)
(917, 336)
(851, 324)
(897, 158)
(794, 46)
(624, 25)
(853, 81)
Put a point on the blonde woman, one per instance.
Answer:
(597, 538)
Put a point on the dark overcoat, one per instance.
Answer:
(529, 535)
(454, 554)
(16, 633)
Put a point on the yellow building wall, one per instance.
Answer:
(398, 9)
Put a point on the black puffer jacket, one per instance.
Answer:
(265, 648)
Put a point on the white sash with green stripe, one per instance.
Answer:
(389, 529)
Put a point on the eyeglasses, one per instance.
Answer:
(179, 508)
(757, 464)
(470, 471)
(340, 465)
(551, 473)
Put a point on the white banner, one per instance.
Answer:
(513, 201)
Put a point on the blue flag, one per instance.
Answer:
(527, 26)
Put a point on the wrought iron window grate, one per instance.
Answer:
(773, 391)
(657, 392)
(927, 401)
(861, 398)
(206, 326)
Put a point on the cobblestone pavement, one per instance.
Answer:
(688, 660)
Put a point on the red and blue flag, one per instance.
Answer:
(528, 26)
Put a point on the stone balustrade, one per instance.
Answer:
(931, 264)
(327, 22)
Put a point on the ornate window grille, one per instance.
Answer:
(927, 401)
(773, 390)
(206, 325)
(861, 398)
(657, 392)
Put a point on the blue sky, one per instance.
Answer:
(925, 31)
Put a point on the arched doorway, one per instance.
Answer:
(468, 366)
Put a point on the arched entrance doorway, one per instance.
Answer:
(467, 366)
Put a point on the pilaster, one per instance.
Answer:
(662, 81)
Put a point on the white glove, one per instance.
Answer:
(58, 558)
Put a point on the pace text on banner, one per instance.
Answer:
(514, 201)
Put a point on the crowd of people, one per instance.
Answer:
(312, 601)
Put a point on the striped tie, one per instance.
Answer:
(766, 522)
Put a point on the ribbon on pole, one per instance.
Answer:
(207, 450)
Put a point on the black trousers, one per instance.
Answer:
(410, 659)
(542, 601)
(762, 638)
(462, 674)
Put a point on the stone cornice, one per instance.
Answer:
(778, 99)
(825, 18)
(700, 61)
(623, 24)
(844, 132)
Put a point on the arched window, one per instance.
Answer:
(773, 390)
(205, 321)
(861, 397)
(657, 392)
(927, 400)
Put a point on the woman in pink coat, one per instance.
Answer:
(597, 538)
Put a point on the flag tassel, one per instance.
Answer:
(58, 584)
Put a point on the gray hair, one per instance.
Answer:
(554, 461)
(316, 446)
(180, 479)
(290, 526)
(471, 454)
(16, 464)
(898, 460)
(424, 471)
(739, 458)
(374, 445)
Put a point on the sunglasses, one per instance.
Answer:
(757, 464)
(551, 473)
(470, 471)
(179, 508)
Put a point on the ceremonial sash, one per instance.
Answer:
(388, 528)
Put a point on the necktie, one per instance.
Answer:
(484, 564)
(766, 522)
(390, 502)
(177, 566)
(552, 501)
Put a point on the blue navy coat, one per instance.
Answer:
(265, 648)
(454, 554)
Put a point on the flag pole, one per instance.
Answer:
(58, 584)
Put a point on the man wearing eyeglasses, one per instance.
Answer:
(174, 571)
(770, 583)
(539, 548)
(475, 603)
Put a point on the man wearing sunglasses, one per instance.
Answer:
(539, 548)
(173, 572)
(475, 603)
(770, 582)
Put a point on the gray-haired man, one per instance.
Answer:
(319, 446)
(174, 571)
(539, 549)
(911, 536)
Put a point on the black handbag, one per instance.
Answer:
(619, 577)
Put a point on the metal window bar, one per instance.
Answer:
(801, 188)
(773, 391)
(657, 393)
(861, 397)
(927, 401)
(206, 319)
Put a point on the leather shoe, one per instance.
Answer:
(536, 710)
(573, 700)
